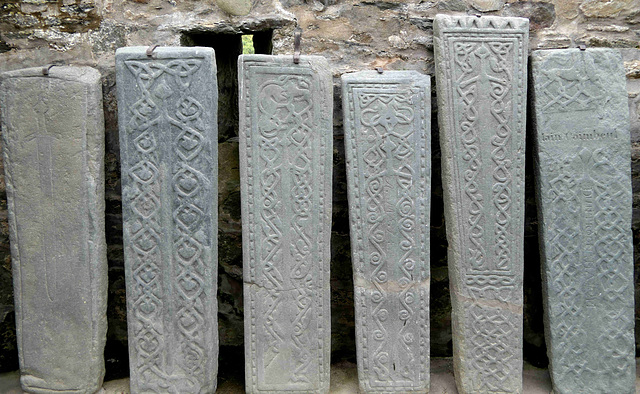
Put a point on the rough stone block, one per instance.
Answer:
(584, 199)
(167, 106)
(53, 136)
(481, 65)
(286, 169)
(388, 150)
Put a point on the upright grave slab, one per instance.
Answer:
(169, 152)
(481, 65)
(388, 149)
(584, 206)
(53, 136)
(286, 167)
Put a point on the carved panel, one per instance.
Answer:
(584, 196)
(387, 138)
(286, 167)
(481, 69)
(168, 136)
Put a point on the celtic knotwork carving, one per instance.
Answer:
(500, 92)
(167, 105)
(466, 88)
(385, 118)
(148, 295)
(285, 118)
(492, 339)
(285, 135)
(485, 66)
(586, 248)
(482, 100)
(387, 177)
(570, 85)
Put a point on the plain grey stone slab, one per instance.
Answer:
(167, 106)
(481, 65)
(286, 153)
(388, 151)
(583, 167)
(53, 137)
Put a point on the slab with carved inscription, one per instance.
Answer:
(583, 166)
(286, 134)
(53, 137)
(481, 68)
(167, 107)
(388, 151)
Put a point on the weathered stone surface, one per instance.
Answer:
(388, 149)
(608, 9)
(53, 136)
(481, 68)
(235, 7)
(487, 5)
(286, 168)
(584, 197)
(168, 141)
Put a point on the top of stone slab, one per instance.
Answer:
(68, 73)
(374, 76)
(164, 52)
(484, 22)
(284, 59)
(540, 54)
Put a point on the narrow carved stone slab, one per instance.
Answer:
(167, 107)
(53, 136)
(584, 196)
(286, 167)
(388, 148)
(481, 66)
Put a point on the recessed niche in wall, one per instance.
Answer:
(228, 47)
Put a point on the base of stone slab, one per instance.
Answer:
(344, 380)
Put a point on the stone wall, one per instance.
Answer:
(353, 35)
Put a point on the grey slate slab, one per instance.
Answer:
(388, 150)
(286, 169)
(167, 106)
(481, 65)
(53, 140)
(584, 198)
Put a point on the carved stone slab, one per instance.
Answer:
(167, 107)
(388, 149)
(53, 137)
(584, 196)
(286, 167)
(481, 65)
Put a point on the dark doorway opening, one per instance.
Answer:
(228, 47)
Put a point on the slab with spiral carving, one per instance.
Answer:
(481, 65)
(286, 135)
(584, 200)
(168, 139)
(387, 139)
